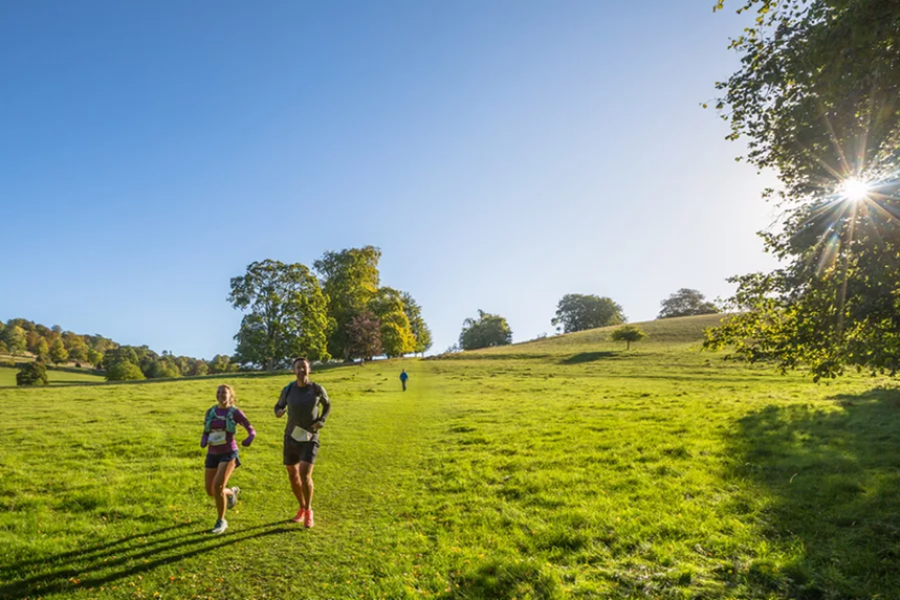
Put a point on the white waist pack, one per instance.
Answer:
(301, 435)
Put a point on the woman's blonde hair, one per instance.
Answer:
(231, 397)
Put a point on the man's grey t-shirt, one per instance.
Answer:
(303, 404)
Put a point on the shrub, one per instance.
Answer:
(32, 373)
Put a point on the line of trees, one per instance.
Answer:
(21, 337)
(339, 309)
(578, 312)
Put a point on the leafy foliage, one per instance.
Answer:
(351, 280)
(32, 373)
(364, 336)
(818, 100)
(287, 314)
(686, 303)
(417, 324)
(485, 331)
(627, 334)
(58, 352)
(14, 336)
(577, 312)
(124, 371)
(397, 337)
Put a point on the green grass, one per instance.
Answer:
(563, 468)
(8, 377)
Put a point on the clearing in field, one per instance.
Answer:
(560, 468)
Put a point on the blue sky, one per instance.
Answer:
(501, 154)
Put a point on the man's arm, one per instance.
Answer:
(281, 405)
(326, 408)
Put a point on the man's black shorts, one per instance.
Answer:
(296, 452)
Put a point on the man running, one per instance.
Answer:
(301, 399)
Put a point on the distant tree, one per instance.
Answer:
(350, 281)
(14, 336)
(287, 314)
(32, 373)
(75, 345)
(577, 312)
(124, 371)
(198, 368)
(3, 348)
(685, 303)
(627, 334)
(43, 350)
(364, 336)
(219, 364)
(417, 324)
(32, 340)
(120, 354)
(485, 331)
(94, 357)
(397, 337)
(58, 352)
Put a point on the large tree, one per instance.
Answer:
(350, 281)
(417, 323)
(286, 314)
(686, 303)
(14, 336)
(577, 312)
(397, 337)
(364, 336)
(485, 331)
(817, 99)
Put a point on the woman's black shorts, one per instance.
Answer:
(296, 452)
(213, 460)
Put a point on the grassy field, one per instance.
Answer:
(554, 469)
(8, 377)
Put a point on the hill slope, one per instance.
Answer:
(582, 473)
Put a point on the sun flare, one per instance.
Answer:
(854, 190)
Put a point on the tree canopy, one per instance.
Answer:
(686, 303)
(485, 331)
(627, 334)
(817, 99)
(350, 279)
(287, 314)
(577, 312)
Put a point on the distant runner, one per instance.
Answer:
(302, 399)
(403, 378)
(222, 455)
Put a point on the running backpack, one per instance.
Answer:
(212, 416)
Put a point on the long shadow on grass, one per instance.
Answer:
(584, 357)
(107, 563)
(833, 481)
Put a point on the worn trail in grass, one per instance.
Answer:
(568, 469)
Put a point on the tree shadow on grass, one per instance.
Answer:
(833, 477)
(108, 563)
(584, 357)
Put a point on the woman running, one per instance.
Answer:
(222, 455)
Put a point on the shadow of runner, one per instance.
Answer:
(97, 551)
(91, 567)
(834, 482)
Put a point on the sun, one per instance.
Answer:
(854, 190)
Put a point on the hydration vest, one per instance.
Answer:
(212, 416)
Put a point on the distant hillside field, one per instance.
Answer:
(8, 377)
(565, 468)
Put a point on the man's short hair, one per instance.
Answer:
(299, 358)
